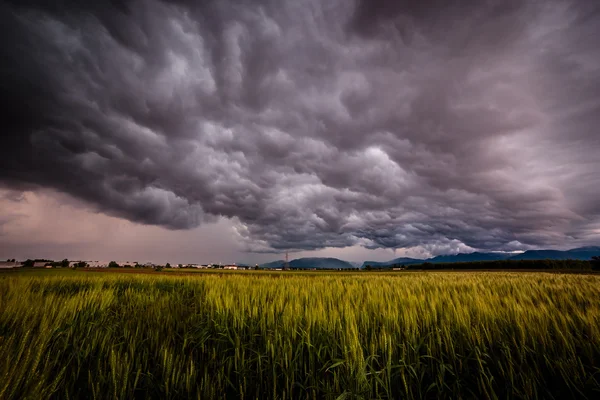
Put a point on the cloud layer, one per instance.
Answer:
(443, 125)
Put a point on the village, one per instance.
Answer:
(44, 263)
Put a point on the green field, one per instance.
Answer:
(74, 334)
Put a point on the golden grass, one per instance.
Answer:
(259, 336)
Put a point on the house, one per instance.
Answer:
(230, 267)
(97, 264)
(9, 264)
(73, 264)
(40, 264)
(128, 264)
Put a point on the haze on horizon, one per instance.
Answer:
(230, 130)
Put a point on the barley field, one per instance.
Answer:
(410, 335)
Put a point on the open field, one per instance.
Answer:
(73, 334)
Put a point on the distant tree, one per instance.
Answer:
(256, 267)
(596, 263)
(64, 263)
(167, 265)
(28, 263)
(113, 264)
(369, 267)
(180, 265)
(158, 268)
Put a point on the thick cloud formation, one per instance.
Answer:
(394, 124)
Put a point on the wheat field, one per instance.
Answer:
(282, 336)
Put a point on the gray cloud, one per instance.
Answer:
(436, 125)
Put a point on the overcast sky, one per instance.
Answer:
(230, 130)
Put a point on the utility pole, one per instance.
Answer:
(287, 261)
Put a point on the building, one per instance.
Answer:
(128, 264)
(73, 264)
(40, 264)
(97, 264)
(9, 264)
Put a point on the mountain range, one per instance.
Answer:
(581, 253)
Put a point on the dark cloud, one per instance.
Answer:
(440, 125)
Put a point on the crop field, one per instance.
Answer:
(73, 334)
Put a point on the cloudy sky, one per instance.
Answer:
(230, 130)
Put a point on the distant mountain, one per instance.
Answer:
(400, 261)
(462, 257)
(542, 255)
(581, 253)
(592, 249)
(274, 264)
(308, 263)
(320, 263)
(585, 252)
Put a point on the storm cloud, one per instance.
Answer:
(442, 125)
